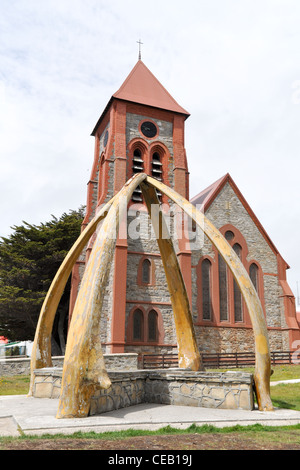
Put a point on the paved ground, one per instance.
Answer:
(20, 414)
(291, 381)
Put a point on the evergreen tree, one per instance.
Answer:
(29, 260)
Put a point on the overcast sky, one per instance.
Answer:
(233, 64)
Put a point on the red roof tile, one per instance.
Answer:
(205, 196)
(142, 87)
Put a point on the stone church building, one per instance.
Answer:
(142, 129)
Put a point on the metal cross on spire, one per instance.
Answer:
(140, 49)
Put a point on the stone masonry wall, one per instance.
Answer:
(230, 390)
(155, 295)
(165, 129)
(124, 361)
(228, 209)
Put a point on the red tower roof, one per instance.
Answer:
(142, 87)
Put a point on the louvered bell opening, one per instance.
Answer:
(137, 167)
(157, 171)
(137, 195)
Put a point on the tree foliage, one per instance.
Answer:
(29, 260)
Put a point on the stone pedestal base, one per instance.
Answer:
(230, 390)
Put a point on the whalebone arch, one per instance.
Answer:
(84, 369)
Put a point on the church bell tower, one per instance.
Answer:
(140, 130)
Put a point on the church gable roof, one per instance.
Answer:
(208, 195)
(142, 87)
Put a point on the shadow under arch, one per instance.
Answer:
(84, 369)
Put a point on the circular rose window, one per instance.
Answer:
(149, 129)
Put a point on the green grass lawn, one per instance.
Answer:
(14, 385)
(286, 396)
(280, 372)
(285, 372)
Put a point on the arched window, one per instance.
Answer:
(229, 235)
(152, 326)
(101, 185)
(223, 295)
(146, 271)
(253, 273)
(145, 326)
(206, 289)
(219, 298)
(238, 305)
(138, 325)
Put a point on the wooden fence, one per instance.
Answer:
(159, 361)
(216, 360)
